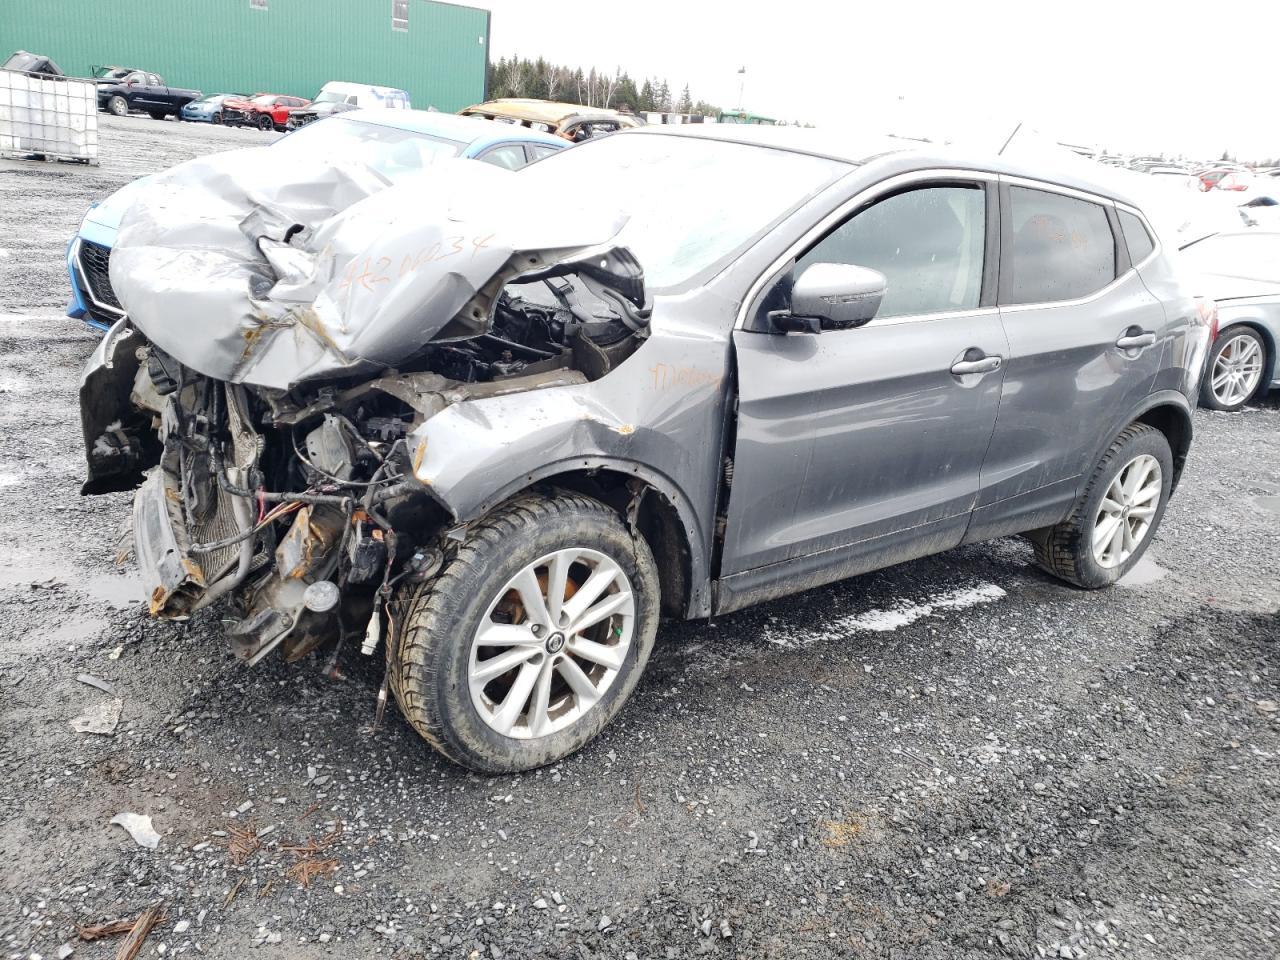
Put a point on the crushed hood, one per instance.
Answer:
(258, 267)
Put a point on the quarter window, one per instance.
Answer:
(399, 14)
(1060, 248)
(928, 242)
(510, 156)
(1136, 237)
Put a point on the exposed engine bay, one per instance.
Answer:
(300, 504)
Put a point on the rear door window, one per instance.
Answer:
(1058, 248)
(1136, 237)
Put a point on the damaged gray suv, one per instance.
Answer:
(498, 424)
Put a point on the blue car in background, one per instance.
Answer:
(396, 143)
(208, 109)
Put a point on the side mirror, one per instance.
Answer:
(832, 296)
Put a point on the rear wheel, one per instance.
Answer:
(1234, 370)
(531, 638)
(1117, 514)
(118, 106)
(265, 122)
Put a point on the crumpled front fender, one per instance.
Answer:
(474, 455)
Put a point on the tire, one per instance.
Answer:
(1067, 550)
(265, 122)
(217, 117)
(433, 657)
(156, 114)
(118, 106)
(1235, 369)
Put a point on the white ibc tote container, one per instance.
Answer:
(54, 117)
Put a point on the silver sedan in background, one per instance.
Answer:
(1241, 272)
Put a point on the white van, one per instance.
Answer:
(337, 96)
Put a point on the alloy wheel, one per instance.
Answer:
(551, 644)
(1236, 370)
(1124, 517)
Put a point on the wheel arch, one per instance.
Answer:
(648, 502)
(1173, 419)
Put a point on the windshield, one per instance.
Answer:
(693, 203)
(1249, 256)
(329, 96)
(393, 153)
(266, 100)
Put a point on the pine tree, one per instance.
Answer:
(646, 95)
(686, 101)
(542, 80)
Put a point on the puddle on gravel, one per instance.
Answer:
(70, 631)
(122, 591)
(1144, 572)
(1270, 504)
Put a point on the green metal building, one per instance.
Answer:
(436, 51)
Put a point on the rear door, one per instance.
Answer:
(1085, 343)
(867, 442)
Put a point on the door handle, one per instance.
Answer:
(983, 365)
(1129, 341)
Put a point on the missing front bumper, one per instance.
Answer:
(173, 581)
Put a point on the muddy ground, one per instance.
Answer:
(957, 757)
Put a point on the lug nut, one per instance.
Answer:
(538, 629)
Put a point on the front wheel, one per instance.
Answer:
(266, 123)
(118, 106)
(1233, 372)
(1116, 516)
(217, 116)
(531, 638)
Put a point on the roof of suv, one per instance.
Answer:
(1063, 168)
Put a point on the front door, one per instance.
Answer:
(866, 444)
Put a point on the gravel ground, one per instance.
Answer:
(958, 757)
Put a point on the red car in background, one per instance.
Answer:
(1224, 178)
(266, 111)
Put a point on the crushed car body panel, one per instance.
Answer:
(251, 268)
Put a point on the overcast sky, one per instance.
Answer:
(1194, 77)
